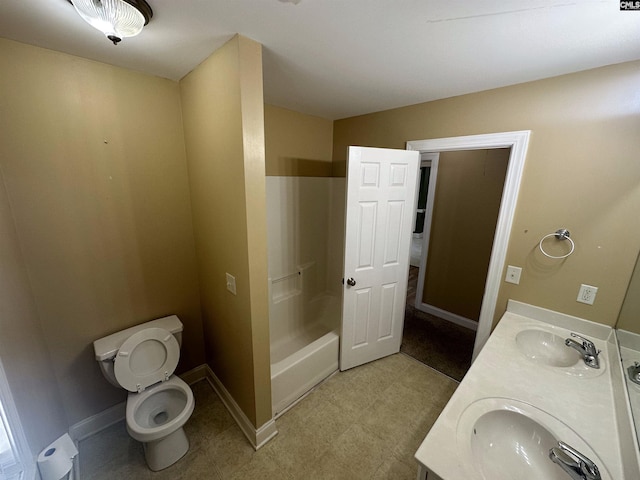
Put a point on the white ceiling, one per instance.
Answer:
(339, 58)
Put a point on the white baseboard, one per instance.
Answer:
(98, 422)
(257, 437)
(448, 316)
(195, 374)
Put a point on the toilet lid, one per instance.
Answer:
(146, 357)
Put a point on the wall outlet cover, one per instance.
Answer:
(231, 283)
(587, 294)
(513, 274)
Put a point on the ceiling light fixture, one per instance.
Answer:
(115, 18)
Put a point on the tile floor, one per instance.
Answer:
(435, 342)
(442, 345)
(365, 423)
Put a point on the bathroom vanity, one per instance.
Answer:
(527, 392)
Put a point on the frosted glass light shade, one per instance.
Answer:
(115, 18)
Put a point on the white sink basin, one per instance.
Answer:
(546, 348)
(504, 439)
(549, 350)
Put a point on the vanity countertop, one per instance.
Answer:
(580, 397)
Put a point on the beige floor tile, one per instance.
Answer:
(362, 452)
(210, 408)
(198, 467)
(302, 440)
(396, 363)
(394, 469)
(432, 385)
(120, 469)
(202, 428)
(357, 389)
(406, 445)
(397, 412)
(261, 465)
(328, 467)
(230, 450)
(323, 420)
(202, 393)
(112, 446)
(199, 432)
(377, 378)
(194, 461)
(338, 386)
(365, 423)
(314, 401)
(295, 449)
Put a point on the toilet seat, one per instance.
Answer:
(147, 433)
(147, 357)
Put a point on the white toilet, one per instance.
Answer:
(142, 359)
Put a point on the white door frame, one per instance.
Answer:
(24, 458)
(518, 142)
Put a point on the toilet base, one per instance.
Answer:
(163, 453)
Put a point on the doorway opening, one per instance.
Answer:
(458, 203)
(373, 301)
(518, 143)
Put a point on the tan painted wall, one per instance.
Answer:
(224, 132)
(297, 144)
(467, 199)
(94, 165)
(581, 173)
(23, 351)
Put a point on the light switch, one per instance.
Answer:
(513, 274)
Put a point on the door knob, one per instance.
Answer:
(351, 282)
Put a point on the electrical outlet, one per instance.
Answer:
(231, 283)
(513, 274)
(587, 294)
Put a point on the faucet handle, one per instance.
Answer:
(589, 469)
(587, 344)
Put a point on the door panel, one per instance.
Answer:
(381, 193)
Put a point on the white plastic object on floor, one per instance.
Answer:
(55, 462)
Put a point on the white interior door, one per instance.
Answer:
(381, 196)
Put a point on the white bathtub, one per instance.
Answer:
(305, 233)
(309, 355)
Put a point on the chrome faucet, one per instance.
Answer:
(587, 349)
(634, 372)
(575, 464)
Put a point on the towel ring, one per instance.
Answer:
(561, 234)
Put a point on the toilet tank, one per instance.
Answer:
(106, 348)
